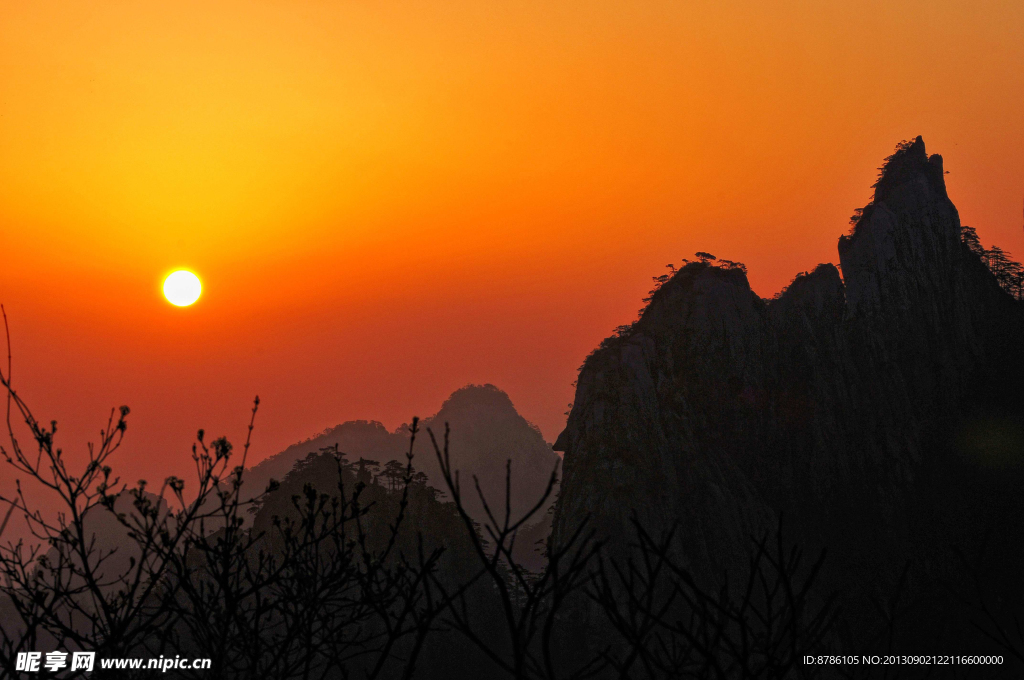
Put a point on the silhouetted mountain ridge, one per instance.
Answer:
(486, 431)
(866, 407)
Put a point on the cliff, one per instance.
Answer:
(878, 410)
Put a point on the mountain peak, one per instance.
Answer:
(475, 396)
(909, 162)
(486, 431)
(721, 409)
(908, 177)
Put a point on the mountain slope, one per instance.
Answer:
(486, 431)
(879, 411)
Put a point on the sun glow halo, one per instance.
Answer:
(182, 288)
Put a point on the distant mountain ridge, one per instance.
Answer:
(486, 431)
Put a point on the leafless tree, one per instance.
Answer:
(67, 583)
(531, 604)
(671, 625)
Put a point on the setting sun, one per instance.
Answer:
(182, 288)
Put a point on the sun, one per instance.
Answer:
(182, 288)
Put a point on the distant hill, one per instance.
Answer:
(486, 431)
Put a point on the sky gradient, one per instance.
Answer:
(389, 200)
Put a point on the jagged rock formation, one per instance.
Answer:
(880, 410)
(486, 431)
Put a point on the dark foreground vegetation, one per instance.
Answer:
(348, 570)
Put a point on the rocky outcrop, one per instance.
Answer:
(836, 403)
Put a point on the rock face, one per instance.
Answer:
(846, 403)
(486, 431)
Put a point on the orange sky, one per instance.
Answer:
(389, 200)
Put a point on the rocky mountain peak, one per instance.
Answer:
(909, 164)
(722, 410)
